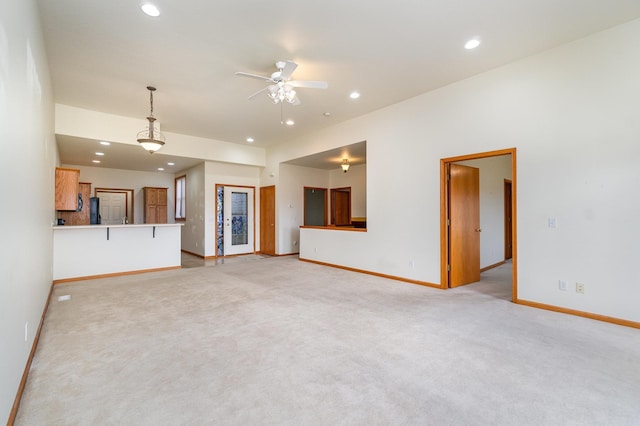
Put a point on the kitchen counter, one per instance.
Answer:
(95, 251)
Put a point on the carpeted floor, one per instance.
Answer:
(277, 341)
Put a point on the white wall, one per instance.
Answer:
(290, 203)
(102, 177)
(493, 172)
(227, 174)
(571, 112)
(27, 165)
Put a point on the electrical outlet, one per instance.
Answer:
(562, 285)
(580, 288)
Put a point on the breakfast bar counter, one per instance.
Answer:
(93, 251)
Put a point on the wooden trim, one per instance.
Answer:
(175, 197)
(192, 253)
(444, 234)
(444, 214)
(335, 228)
(377, 274)
(584, 314)
(495, 265)
(115, 274)
(25, 374)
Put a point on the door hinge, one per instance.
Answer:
(448, 222)
(449, 268)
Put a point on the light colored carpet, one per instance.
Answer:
(277, 341)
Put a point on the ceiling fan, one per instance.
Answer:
(282, 89)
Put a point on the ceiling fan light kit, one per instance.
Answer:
(281, 87)
(150, 138)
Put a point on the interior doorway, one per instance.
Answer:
(445, 218)
(315, 206)
(235, 230)
(341, 206)
(116, 204)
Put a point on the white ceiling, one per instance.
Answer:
(102, 55)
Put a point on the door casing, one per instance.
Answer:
(444, 213)
(253, 188)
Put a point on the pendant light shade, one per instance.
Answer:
(150, 138)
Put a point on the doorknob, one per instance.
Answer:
(478, 230)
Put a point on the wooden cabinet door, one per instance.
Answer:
(161, 214)
(151, 195)
(155, 205)
(150, 214)
(81, 217)
(162, 197)
(67, 187)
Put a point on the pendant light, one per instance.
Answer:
(345, 165)
(150, 138)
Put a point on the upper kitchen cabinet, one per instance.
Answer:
(67, 189)
(155, 205)
(82, 215)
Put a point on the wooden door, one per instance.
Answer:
(464, 225)
(341, 206)
(508, 230)
(268, 220)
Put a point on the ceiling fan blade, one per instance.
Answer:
(309, 84)
(259, 77)
(296, 101)
(289, 68)
(253, 96)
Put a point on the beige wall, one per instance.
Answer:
(572, 114)
(27, 186)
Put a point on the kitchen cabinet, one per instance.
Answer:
(82, 216)
(67, 189)
(155, 205)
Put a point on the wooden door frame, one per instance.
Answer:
(215, 239)
(444, 214)
(508, 244)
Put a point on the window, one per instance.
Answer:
(181, 197)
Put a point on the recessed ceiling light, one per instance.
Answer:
(99, 153)
(161, 169)
(290, 122)
(171, 164)
(150, 9)
(472, 44)
(354, 95)
(95, 161)
(105, 143)
(250, 140)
